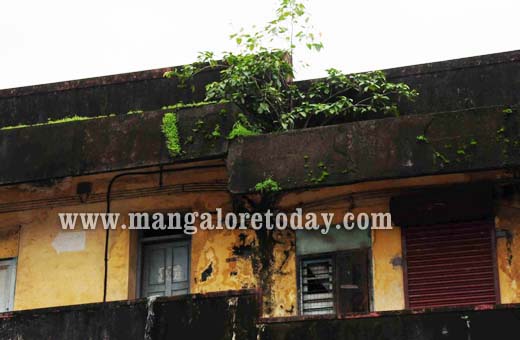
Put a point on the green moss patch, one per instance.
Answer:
(51, 122)
(171, 132)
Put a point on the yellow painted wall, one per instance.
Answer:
(9, 242)
(387, 270)
(508, 250)
(47, 278)
(285, 294)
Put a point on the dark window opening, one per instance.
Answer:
(173, 226)
(149, 233)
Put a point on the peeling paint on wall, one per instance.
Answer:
(508, 251)
(47, 278)
(396, 261)
(285, 294)
(69, 241)
(221, 260)
(387, 270)
(207, 273)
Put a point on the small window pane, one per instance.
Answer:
(157, 266)
(180, 264)
(309, 242)
(7, 282)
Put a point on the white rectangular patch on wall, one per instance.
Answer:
(69, 241)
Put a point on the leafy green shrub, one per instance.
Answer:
(267, 185)
(259, 79)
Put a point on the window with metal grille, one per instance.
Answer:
(317, 286)
(334, 283)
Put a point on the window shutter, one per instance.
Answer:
(450, 265)
(352, 282)
(166, 269)
(180, 270)
(154, 271)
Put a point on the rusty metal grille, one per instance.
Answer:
(450, 265)
(317, 286)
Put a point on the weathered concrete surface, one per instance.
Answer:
(443, 86)
(109, 144)
(113, 321)
(235, 316)
(359, 151)
(146, 90)
(450, 325)
(459, 84)
(220, 317)
(189, 317)
(469, 140)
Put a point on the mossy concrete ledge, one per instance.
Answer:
(408, 146)
(110, 144)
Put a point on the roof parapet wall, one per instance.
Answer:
(109, 144)
(117, 94)
(399, 147)
(481, 81)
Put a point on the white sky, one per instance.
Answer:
(45, 41)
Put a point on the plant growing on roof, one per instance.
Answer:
(259, 79)
(242, 128)
(267, 185)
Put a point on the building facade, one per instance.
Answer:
(454, 200)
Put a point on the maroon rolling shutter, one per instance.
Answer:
(450, 265)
